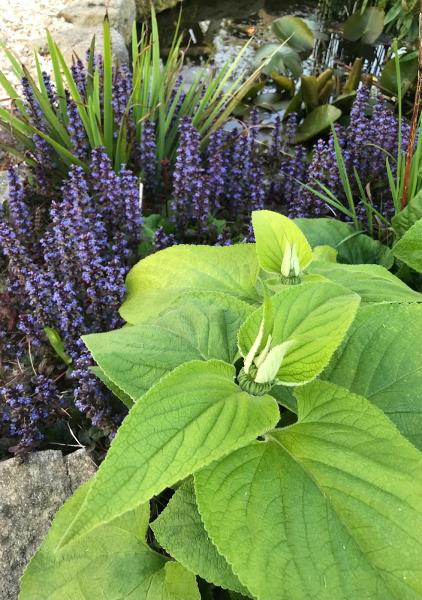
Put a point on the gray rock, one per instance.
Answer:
(31, 492)
(4, 186)
(80, 468)
(77, 40)
(143, 6)
(90, 13)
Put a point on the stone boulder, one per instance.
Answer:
(31, 493)
(90, 13)
(77, 40)
(143, 6)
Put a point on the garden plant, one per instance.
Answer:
(273, 436)
(222, 302)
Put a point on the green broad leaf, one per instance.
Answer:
(353, 79)
(366, 26)
(270, 102)
(285, 397)
(114, 388)
(381, 359)
(327, 253)
(407, 217)
(314, 317)
(319, 120)
(408, 73)
(345, 101)
(310, 90)
(180, 531)
(193, 416)
(328, 508)
(275, 234)
(157, 280)
(281, 59)
(197, 326)
(352, 247)
(113, 562)
(295, 33)
(409, 248)
(173, 583)
(283, 83)
(373, 283)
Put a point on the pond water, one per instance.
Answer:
(217, 29)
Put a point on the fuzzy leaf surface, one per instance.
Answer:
(273, 232)
(330, 507)
(180, 531)
(381, 359)
(193, 416)
(409, 248)
(373, 283)
(157, 280)
(352, 249)
(112, 562)
(197, 326)
(408, 216)
(315, 317)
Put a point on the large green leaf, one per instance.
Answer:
(409, 248)
(366, 26)
(373, 283)
(193, 416)
(275, 234)
(117, 391)
(314, 317)
(180, 531)
(328, 508)
(407, 217)
(320, 119)
(295, 32)
(408, 73)
(352, 249)
(282, 59)
(155, 281)
(199, 326)
(112, 562)
(381, 358)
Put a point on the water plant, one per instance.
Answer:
(276, 402)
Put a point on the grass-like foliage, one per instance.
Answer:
(272, 389)
(99, 104)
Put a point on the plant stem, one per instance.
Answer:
(415, 116)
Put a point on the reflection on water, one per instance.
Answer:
(218, 28)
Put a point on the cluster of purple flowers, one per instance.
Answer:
(66, 259)
(371, 137)
(226, 180)
(65, 271)
(72, 122)
(235, 175)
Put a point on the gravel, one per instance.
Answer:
(22, 27)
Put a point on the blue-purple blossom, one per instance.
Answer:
(76, 131)
(71, 279)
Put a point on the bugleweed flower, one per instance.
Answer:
(76, 131)
(190, 195)
(147, 158)
(162, 239)
(79, 75)
(51, 92)
(71, 280)
(122, 89)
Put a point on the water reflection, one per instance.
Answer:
(213, 27)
